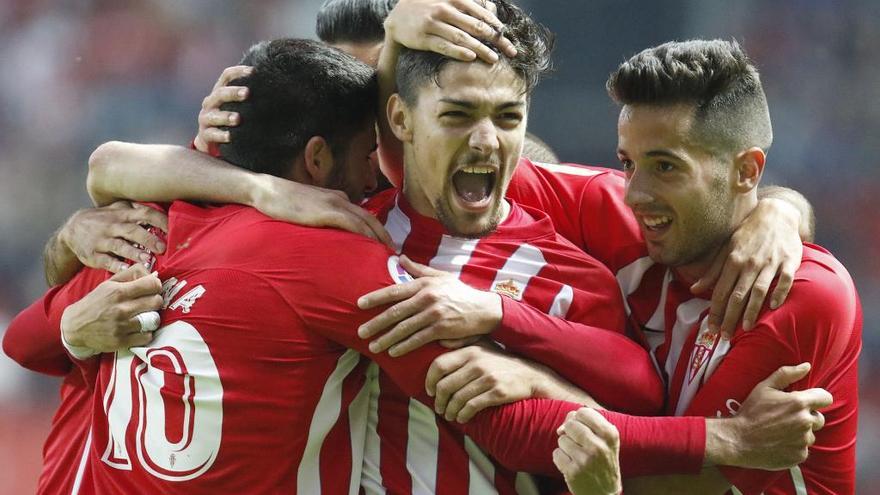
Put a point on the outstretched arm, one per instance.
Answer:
(154, 172)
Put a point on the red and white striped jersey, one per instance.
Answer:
(820, 322)
(409, 449)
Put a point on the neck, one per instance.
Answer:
(692, 272)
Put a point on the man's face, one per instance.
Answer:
(466, 137)
(680, 193)
(354, 173)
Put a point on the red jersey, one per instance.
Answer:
(409, 449)
(250, 386)
(820, 322)
(34, 344)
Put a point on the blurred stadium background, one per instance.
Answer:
(76, 73)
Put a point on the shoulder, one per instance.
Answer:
(823, 298)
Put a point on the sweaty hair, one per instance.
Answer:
(715, 76)
(533, 43)
(353, 21)
(298, 89)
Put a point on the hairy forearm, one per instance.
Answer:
(162, 173)
(60, 264)
(807, 226)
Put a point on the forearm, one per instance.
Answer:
(163, 173)
(60, 264)
(589, 357)
(807, 224)
(32, 342)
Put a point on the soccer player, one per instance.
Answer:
(473, 187)
(693, 134)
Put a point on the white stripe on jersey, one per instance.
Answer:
(797, 477)
(453, 253)
(481, 471)
(82, 465)
(524, 264)
(358, 412)
(371, 478)
(422, 448)
(308, 476)
(398, 226)
(562, 302)
(567, 169)
(686, 316)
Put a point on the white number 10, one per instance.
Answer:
(172, 385)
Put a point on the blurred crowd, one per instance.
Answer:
(76, 73)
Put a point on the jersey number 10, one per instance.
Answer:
(166, 401)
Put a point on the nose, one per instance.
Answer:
(484, 137)
(637, 191)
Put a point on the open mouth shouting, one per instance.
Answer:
(473, 185)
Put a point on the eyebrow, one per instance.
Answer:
(662, 154)
(471, 105)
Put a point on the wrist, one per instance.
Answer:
(69, 336)
(492, 312)
(722, 442)
(785, 209)
(260, 189)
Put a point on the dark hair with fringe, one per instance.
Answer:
(353, 21)
(298, 89)
(715, 76)
(533, 43)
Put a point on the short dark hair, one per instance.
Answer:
(533, 42)
(298, 89)
(353, 21)
(715, 76)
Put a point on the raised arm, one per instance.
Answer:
(164, 173)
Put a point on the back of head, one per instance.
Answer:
(298, 89)
(716, 77)
(533, 43)
(353, 21)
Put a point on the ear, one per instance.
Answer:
(318, 159)
(749, 168)
(399, 118)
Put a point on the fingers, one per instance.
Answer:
(463, 42)
(757, 296)
(214, 135)
(232, 73)
(481, 13)
(218, 118)
(386, 295)
(152, 217)
(815, 398)
(144, 286)
(367, 224)
(429, 333)
(709, 279)
(598, 424)
(721, 295)
(451, 384)
(225, 94)
(785, 376)
(130, 273)
(103, 261)
(131, 308)
(442, 366)
(562, 460)
(123, 248)
(419, 270)
(477, 394)
(784, 283)
(412, 328)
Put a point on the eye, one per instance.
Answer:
(626, 165)
(665, 166)
(454, 114)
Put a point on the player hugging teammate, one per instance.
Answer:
(488, 324)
